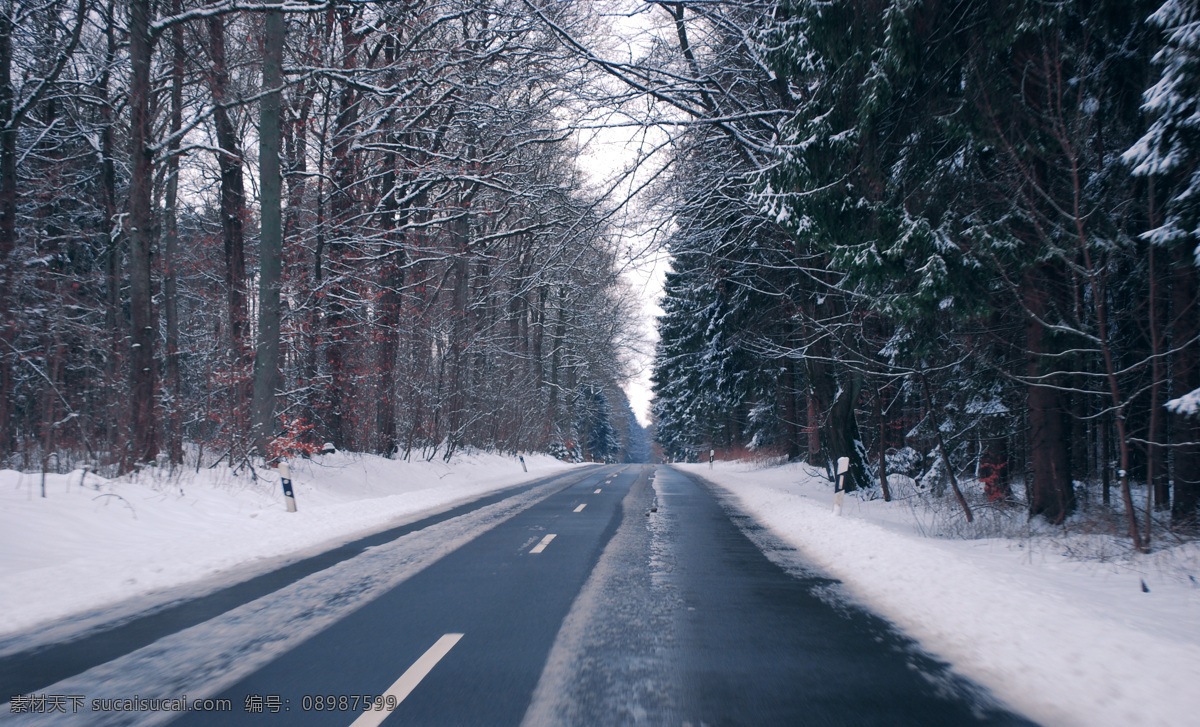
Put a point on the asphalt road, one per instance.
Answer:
(622, 595)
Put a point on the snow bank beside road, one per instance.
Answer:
(1067, 642)
(82, 547)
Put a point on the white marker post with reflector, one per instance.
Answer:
(712, 454)
(839, 487)
(285, 477)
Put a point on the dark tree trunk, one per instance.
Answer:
(1185, 311)
(812, 427)
(1156, 454)
(1051, 494)
(266, 352)
(338, 325)
(836, 396)
(144, 416)
(233, 199)
(883, 481)
(556, 419)
(842, 432)
(460, 273)
(174, 390)
(1106, 464)
(786, 401)
(316, 400)
(391, 282)
(114, 320)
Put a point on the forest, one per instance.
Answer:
(953, 240)
(235, 230)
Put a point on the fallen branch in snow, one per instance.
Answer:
(122, 499)
(245, 462)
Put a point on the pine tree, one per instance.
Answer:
(1169, 154)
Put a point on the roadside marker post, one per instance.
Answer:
(839, 487)
(522, 458)
(285, 476)
(712, 453)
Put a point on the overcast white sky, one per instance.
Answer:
(608, 153)
(644, 263)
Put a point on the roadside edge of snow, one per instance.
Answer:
(1057, 662)
(240, 531)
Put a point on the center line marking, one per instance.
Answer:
(409, 680)
(581, 507)
(540, 546)
(597, 492)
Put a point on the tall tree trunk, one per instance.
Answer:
(786, 400)
(1159, 493)
(174, 392)
(836, 394)
(266, 356)
(1051, 494)
(1106, 460)
(1158, 476)
(144, 415)
(391, 281)
(883, 481)
(233, 214)
(114, 319)
(316, 398)
(1185, 313)
(460, 273)
(812, 426)
(338, 324)
(557, 425)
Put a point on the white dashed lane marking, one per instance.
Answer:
(542, 545)
(409, 680)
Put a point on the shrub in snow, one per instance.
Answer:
(934, 479)
(991, 474)
(905, 461)
(291, 442)
(566, 450)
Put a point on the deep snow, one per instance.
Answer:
(1057, 626)
(87, 548)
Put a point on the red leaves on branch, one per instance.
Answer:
(292, 442)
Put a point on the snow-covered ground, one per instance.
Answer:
(93, 543)
(1057, 626)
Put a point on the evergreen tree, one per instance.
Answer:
(595, 424)
(1169, 154)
